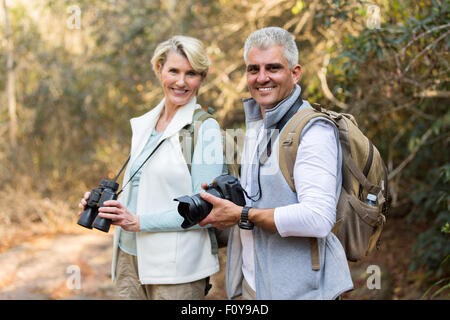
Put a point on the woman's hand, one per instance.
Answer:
(119, 215)
(83, 203)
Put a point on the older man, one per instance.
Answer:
(272, 260)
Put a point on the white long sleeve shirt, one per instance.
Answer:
(315, 177)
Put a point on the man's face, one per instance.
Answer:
(269, 78)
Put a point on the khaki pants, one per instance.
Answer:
(247, 292)
(129, 287)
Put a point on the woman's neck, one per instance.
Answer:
(165, 117)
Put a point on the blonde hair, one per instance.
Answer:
(189, 47)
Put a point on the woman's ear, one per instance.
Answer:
(159, 67)
(204, 74)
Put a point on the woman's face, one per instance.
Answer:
(179, 80)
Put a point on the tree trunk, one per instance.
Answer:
(11, 85)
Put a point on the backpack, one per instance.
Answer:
(358, 225)
(188, 139)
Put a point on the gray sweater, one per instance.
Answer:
(283, 265)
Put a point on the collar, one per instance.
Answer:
(272, 116)
(142, 126)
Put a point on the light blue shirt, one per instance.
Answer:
(202, 170)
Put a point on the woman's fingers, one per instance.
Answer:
(83, 202)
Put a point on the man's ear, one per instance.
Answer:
(296, 72)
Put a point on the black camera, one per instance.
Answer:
(194, 209)
(89, 218)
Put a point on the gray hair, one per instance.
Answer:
(273, 36)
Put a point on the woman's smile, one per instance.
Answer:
(179, 80)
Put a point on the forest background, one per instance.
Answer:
(72, 74)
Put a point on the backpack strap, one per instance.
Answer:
(315, 261)
(289, 142)
(280, 125)
(360, 176)
(188, 138)
(290, 139)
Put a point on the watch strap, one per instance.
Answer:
(244, 223)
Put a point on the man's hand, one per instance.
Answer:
(119, 215)
(224, 213)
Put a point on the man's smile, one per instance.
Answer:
(266, 89)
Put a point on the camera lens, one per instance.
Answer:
(194, 209)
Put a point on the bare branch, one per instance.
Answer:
(428, 47)
(11, 79)
(402, 52)
(428, 93)
(411, 156)
(322, 74)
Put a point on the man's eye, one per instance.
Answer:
(252, 70)
(273, 68)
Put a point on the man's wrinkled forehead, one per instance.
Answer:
(267, 66)
(273, 55)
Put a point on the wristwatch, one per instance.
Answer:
(244, 223)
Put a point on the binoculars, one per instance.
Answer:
(89, 218)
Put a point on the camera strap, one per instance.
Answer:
(267, 151)
(126, 162)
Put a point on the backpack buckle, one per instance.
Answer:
(381, 219)
(317, 107)
(289, 139)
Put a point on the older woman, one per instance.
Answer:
(154, 258)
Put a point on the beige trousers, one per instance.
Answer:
(247, 292)
(129, 287)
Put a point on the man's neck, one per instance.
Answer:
(263, 109)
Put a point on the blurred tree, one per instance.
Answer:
(386, 62)
(11, 79)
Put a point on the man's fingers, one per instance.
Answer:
(204, 186)
(205, 221)
(210, 198)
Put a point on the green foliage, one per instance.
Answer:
(385, 75)
(432, 203)
(443, 286)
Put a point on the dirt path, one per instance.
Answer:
(47, 267)
(68, 266)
